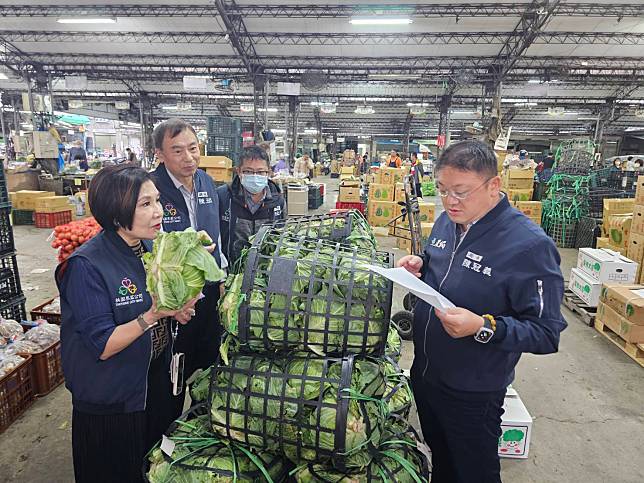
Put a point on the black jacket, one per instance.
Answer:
(238, 224)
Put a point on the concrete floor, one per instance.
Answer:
(587, 400)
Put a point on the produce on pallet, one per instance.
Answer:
(70, 236)
(178, 267)
(294, 293)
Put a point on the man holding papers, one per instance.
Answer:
(501, 271)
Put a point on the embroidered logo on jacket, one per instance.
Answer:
(170, 214)
(128, 293)
(472, 260)
(438, 243)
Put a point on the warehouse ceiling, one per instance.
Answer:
(559, 65)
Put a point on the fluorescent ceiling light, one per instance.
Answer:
(169, 108)
(3, 76)
(534, 81)
(270, 109)
(81, 20)
(381, 21)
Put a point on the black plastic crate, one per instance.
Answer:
(6, 231)
(9, 278)
(23, 217)
(596, 198)
(14, 308)
(4, 192)
(315, 203)
(223, 126)
(588, 230)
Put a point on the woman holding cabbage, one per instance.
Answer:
(116, 345)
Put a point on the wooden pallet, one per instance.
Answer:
(578, 306)
(634, 351)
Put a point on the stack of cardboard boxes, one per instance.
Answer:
(518, 183)
(621, 309)
(531, 209)
(636, 239)
(596, 266)
(347, 172)
(349, 191)
(219, 168)
(616, 224)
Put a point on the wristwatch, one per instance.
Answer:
(485, 333)
(143, 324)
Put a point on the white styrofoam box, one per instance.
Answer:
(585, 287)
(606, 265)
(516, 427)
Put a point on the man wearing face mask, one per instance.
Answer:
(248, 202)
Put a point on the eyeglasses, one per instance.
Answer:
(250, 172)
(462, 196)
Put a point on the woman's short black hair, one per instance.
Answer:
(113, 194)
(470, 155)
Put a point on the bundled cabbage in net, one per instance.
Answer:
(296, 294)
(393, 349)
(398, 394)
(397, 459)
(309, 409)
(199, 456)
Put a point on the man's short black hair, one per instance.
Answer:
(113, 194)
(629, 158)
(254, 152)
(470, 155)
(128, 149)
(414, 154)
(172, 127)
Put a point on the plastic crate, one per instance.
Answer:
(314, 204)
(23, 217)
(14, 309)
(6, 231)
(341, 205)
(4, 192)
(38, 313)
(51, 220)
(223, 126)
(587, 232)
(16, 393)
(334, 175)
(47, 370)
(9, 278)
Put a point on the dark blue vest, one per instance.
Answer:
(175, 211)
(118, 384)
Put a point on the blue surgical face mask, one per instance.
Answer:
(254, 183)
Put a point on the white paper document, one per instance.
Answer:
(415, 285)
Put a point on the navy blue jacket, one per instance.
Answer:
(505, 266)
(115, 293)
(175, 211)
(238, 224)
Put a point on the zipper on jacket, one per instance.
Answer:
(540, 290)
(440, 285)
(147, 373)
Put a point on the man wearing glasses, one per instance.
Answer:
(250, 201)
(502, 273)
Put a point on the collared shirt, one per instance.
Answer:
(191, 202)
(251, 205)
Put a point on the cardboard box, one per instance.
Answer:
(606, 266)
(603, 242)
(404, 244)
(531, 209)
(52, 204)
(618, 230)
(638, 220)
(626, 329)
(427, 211)
(393, 175)
(347, 170)
(399, 193)
(371, 179)
(585, 287)
(215, 162)
(352, 182)
(26, 199)
(335, 167)
(349, 194)
(402, 229)
(381, 192)
(519, 195)
(298, 209)
(381, 212)
(635, 251)
(639, 190)
(222, 175)
(626, 300)
(518, 179)
(619, 205)
(516, 427)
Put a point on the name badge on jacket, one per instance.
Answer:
(203, 198)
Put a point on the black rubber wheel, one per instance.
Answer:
(403, 321)
(409, 302)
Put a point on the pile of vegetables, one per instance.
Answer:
(428, 188)
(70, 236)
(199, 456)
(292, 405)
(178, 267)
(398, 395)
(397, 459)
(299, 294)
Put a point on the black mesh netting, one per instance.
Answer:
(201, 455)
(587, 231)
(398, 458)
(327, 411)
(301, 294)
(398, 395)
(348, 227)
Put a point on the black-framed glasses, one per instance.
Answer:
(462, 196)
(250, 172)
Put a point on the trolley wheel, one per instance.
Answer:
(409, 302)
(403, 321)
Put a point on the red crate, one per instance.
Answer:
(340, 205)
(38, 313)
(51, 220)
(16, 393)
(47, 370)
